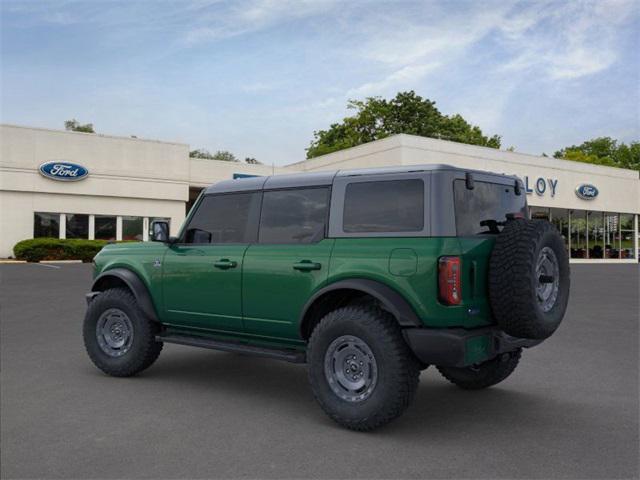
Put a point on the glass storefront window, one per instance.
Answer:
(46, 225)
(77, 226)
(540, 213)
(132, 228)
(105, 227)
(595, 235)
(578, 221)
(560, 220)
(626, 236)
(595, 226)
(611, 235)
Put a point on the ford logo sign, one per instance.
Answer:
(63, 171)
(586, 191)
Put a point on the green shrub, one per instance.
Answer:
(36, 249)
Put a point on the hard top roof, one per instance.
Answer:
(316, 179)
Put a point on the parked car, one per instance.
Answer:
(367, 276)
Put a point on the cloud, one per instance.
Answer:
(400, 79)
(408, 38)
(485, 60)
(258, 87)
(406, 48)
(565, 41)
(555, 40)
(251, 16)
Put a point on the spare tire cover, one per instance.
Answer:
(529, 279)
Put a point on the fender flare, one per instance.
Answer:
(135, 284)
(390, 299)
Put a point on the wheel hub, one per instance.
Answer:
(114, 332)
(350, 368)
(548, 279)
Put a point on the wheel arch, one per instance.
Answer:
(342, 292)
(123, 277)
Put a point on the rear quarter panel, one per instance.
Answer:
(391, 261)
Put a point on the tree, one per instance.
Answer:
(604, 151)
(377, 118)
(75, 126)
(201, 153)
(252, 161)
(225, 156)
(219, 155)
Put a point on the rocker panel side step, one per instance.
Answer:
(291, 355)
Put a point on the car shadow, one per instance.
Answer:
(439, 407)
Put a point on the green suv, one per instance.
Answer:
(368, 276)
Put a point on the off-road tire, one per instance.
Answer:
(484, 375)
(397, 369)
(144, 349)
(513, 280)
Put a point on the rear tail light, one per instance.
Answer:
(449, 288)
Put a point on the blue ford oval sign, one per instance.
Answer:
(586, 191)
(63, 171)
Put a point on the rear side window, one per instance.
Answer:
(229, 218)
(479, 211)
(294, 216)
(384, 206)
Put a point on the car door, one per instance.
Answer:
(202, 273)
(288, 263)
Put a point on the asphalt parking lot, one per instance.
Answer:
(569, 411)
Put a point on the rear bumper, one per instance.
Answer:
(457, 347)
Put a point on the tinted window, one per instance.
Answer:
(486, 202)
(294, 216)
(77, 226)
(46, 225)
(227, 218)
(385, 206)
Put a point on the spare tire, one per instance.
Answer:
(529, 279)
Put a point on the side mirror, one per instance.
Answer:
(159, 231)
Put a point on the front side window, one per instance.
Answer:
(228, 218)
(384, 206)
(482, 209)
(294, 216)
(46, 225)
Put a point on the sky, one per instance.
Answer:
(258, 77)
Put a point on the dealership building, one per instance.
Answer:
(79, 185)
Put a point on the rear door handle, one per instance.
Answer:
(306, 266)
(225, 263)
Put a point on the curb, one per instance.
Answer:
(9, 261)
(60, 261)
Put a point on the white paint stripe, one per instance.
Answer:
(47, 265)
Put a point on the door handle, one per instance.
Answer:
(306, 266)
(225, 263)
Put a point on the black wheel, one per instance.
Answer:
(485, 374)
(529, 279)
(119, 339)
(360, 368)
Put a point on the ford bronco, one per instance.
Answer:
(367, 276)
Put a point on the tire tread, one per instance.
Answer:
(405, 368)
(149, 348)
